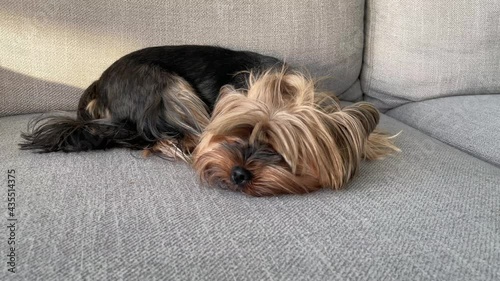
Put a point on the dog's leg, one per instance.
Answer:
(185, 111)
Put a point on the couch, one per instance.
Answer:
(431, 212)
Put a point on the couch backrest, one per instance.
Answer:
(51, 50)
(418, 50)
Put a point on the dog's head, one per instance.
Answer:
(281, 136)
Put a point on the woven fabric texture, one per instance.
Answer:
(419, 50)
(428, 213)
(70, 42)
(470, 123)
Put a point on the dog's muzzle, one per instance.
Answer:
(240, 176)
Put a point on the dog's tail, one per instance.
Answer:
(63, 133)
(88, 131)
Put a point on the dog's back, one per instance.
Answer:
(155, 95)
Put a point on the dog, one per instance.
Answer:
(282, 135)
(158, 99)
(244, 121)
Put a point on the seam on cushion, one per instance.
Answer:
(437, 98)
(368, 48)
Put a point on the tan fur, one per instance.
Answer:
(321, 143)
(192, 113)
(96, 111)
(187, 111)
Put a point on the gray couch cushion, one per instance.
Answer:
(418, 50)
(470, 123)
(71, 41)
(429, 213)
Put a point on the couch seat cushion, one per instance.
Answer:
(470, 123)
(428, 213)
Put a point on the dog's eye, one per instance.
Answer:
(264, 154)
(248, 152)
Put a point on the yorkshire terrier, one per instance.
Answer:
(244, 121)
(280, 135)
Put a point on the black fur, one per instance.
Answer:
(131, 92)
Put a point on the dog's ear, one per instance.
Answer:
(351, 127)
(354, 129)
(281, 88)
(226, 90)
(359, 116)
(228, 99)
(297, 88)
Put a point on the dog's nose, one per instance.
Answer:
(240, 175)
